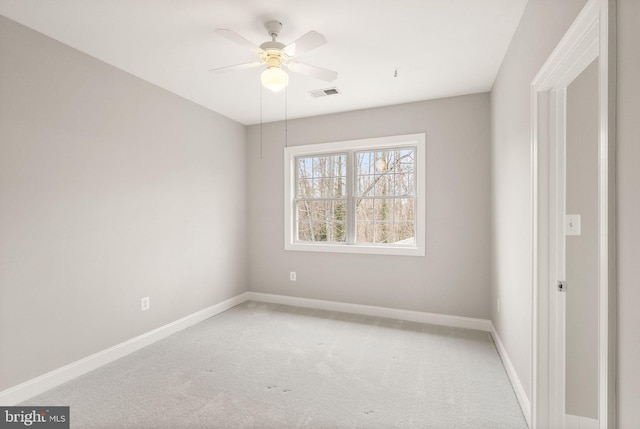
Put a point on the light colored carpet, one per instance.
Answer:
(273, 366)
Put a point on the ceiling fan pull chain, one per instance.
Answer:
(260, 89)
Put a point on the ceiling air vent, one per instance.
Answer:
(324, 92)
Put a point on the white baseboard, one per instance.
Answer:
(369, 310)
(35, 386)
(525, 404)
(579, 422)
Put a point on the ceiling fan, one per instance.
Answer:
(275, 55)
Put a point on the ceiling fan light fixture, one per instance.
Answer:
(276, 54)
(274, 79)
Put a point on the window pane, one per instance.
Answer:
(404, 184)
(319, 231)
(365, 184)
(303, 211)
(304, 231)
(386, 209)
(365, 231)
(384, 185)
(384, 232)
(365, 163)
(385, 172)
(339, 211)
(321, 176)
(405, 209)
(404, 161)
(304, 167)
(338, 232)
(309, 211)
(404, 233)
(322, 231)
(364, 209)
(339, 187)
(378, 232)
(383, 209)
(385, 220)
(323, 220)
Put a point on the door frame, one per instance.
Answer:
(587, 39)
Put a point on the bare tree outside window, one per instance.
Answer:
(385, 196)
(384, 200)
(322, 198)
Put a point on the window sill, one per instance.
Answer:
(358, 249)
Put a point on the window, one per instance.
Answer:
(361, 196)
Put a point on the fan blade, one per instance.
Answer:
(236, 38)
(309, 41)
(236, 67)
(313, 71)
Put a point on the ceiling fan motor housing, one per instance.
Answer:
(274, 57)
(273, 28)
(273, 51)
(275, 46)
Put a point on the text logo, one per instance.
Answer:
(34, 417)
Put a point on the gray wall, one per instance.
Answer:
(110, 189)
(628, 182)
(453, 277)
(541, 27)
(581, 390)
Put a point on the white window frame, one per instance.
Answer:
(416, 141)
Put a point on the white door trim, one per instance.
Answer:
(586, 40)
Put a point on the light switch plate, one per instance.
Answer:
(572, 225)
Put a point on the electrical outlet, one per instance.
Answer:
(145, 304)
(292, 276)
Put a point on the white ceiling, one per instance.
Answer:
(440, 48)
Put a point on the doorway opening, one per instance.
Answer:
(585, 43)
